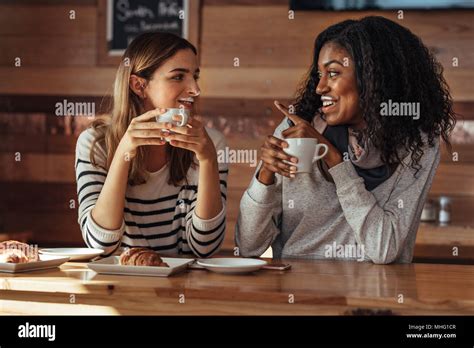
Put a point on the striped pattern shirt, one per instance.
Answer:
(157, 215)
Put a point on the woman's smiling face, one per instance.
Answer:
(174, 84)
(338, 87)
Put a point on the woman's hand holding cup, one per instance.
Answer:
(144, 130)
(193, 137)
(273, 160)
(303, 129)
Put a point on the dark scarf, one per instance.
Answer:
(373, 177)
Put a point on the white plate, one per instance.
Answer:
(46, 261)
(74, 254)
(111, 265)
(232, 265)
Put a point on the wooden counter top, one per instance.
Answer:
(314, 287)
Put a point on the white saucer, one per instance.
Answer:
(232, 265)
(74, 254)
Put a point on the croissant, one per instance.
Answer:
(13, 256)
(12, 251)
(141, 257)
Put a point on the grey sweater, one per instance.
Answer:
(309, 217)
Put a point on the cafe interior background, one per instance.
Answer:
(251, 52)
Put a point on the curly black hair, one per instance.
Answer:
(390, 63)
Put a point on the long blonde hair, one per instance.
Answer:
(143, 56)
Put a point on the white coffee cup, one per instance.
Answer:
(307, 151)
(170, 112)
(168, 117)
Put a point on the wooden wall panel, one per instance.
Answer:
(38, 143)
(24, 18)
(436, 243)
(55, 50)
(74, 81)
(53, 229)
(263, 82)
(270, 46)
(274, 52)
(251, 83)
(44, 35)
(37, 197)
(47, 104)
(259, 110)
(232, 82)
(42, 208)
(454, 179)
(265, 36)
(464, 153)
(37, 167)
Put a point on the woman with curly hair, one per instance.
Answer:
(368, 192)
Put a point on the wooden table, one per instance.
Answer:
(309, 288)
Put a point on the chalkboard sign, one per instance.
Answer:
(126, 19)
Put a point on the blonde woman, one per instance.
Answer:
(142, 183)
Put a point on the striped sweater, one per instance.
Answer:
(156, 215)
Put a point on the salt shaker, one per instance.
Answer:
(429, 211)
(444, 216)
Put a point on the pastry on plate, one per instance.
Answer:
(12, 251)
(141, 257)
